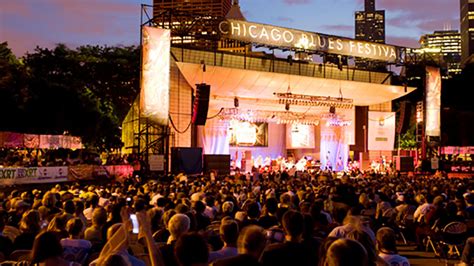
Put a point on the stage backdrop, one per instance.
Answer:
(214, 138)
(381, 135)
(334, 147)
(299, 136)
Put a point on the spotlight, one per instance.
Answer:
(332, 109)
(236, 102)
(287, 106)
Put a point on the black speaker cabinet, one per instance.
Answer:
(404, 163)
(186, 160)
(219, 163)
(201, 104)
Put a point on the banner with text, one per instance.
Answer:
(32, 175)
(381, 131)
(310, 41)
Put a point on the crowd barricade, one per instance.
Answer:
(39, 175)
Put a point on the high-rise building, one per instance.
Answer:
(370, 23)
(467, 30)
(448, 44)
(217, 8)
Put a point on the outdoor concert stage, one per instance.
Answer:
(264, 106)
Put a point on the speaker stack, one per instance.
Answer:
(201, 104)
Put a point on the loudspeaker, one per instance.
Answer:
(404, 119)
(404, 163)
(186, 160)
(201, 104)
(219, 163)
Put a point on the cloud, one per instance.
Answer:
(48, 22)
(339, 28)
(285, 19)
(403, 41)
(422, 15)
(297, 2)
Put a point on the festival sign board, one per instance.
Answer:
(309, 41)
(381, 131)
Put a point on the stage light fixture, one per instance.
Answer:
(236, 102)
(332, 109)
(287, 106)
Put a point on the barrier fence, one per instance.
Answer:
(38, 175)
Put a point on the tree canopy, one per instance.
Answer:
(84, 92)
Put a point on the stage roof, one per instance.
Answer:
(255, 88)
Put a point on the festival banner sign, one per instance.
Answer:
(433, 102)
(155, 74)
(381, 135)
(32, 175)
(309, 41)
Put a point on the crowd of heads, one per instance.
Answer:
(309, 219)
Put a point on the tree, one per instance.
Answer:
(85, 92)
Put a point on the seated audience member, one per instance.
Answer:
(229, 232)
(346, 252)
(191, 250)
(250, 244)
(351, 223)
(387, 247)
(364, 239)
(29, 228)
(75, 248)
(292, 251)
(269, 219)
(48, 251)
(95, 233)
(467, 253)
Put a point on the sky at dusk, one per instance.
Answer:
(25, 24)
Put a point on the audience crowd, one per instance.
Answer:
(275, 219)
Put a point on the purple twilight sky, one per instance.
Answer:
(25, 24)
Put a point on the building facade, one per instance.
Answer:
(448, 44)
(370, 23)
(467, 30)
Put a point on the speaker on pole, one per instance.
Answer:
(201, 104)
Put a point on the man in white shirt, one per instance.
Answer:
(423, 209)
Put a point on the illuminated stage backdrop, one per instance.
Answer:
(381, 131)
(155, 75)
(299, 136)
(433, 101)
(248, 134)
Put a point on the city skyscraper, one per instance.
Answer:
(370, 23)
(448, 44)
(185, 30)
(467, 30)
(216, 8)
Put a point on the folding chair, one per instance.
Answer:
(453, 236)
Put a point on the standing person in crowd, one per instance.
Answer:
(47, 251)
(191, 250)
(229, 232)
(292, 251)
(250, 244)
(75, 248)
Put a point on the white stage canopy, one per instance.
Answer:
(255, 89)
